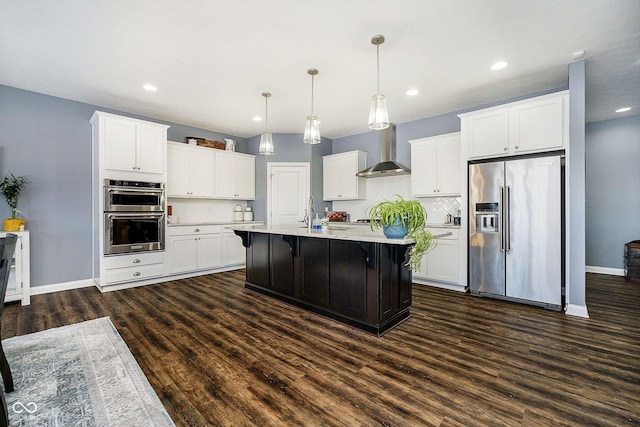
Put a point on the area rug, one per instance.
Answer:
(82, 374)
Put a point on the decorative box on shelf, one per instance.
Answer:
(201, 142)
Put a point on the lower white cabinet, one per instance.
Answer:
(233, 252)
(203, 247)
(194, 248)
(19, 284)
(442, 262)
(128, 268)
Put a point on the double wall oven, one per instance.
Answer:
(134, 217)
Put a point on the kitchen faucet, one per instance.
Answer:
(308, 214)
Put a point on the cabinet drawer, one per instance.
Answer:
(142, 259)
(133, 273)
(185, 230)
(455, 233)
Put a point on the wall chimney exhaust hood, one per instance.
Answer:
(387, 165)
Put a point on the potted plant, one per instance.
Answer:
(402, 218)
(10, 188)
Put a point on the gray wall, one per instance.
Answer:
(576, 294)
(612, 189)
(288, 147)
(422, 128)
(48, 139)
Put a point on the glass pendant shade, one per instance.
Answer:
(312, 131)
(266, 144)
(378, 114)
(266, 139)
(312, 126)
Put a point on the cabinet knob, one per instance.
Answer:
(136, 261)
(196, 230)
(516, 147)
(505, 148)
(134, 168)
(136, 274)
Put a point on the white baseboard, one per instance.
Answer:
(442, 285)
(577, 310)
(605, 270)
(64, 286)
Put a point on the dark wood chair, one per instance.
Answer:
(7, 247)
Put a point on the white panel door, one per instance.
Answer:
(289, 193)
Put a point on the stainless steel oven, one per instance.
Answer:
(134, 217)
(128, 232)
(133, 196)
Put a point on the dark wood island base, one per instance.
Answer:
(365, 284)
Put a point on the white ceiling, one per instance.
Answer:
(212, 59)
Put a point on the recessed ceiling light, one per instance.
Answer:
(499, 65)
(257, 119)
(412, 92)
(623, 109)
(150, 88)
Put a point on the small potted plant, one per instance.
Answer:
(10, 188)
(402, 218)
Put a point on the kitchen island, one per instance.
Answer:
(350, 274)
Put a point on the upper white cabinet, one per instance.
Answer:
(190, 171)
(131, 146)
(529, 126)
(339, 179)
(210, 173)
(435, 166)
(235, 175)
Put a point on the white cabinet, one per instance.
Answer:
(235, 175)
(533, 125)
(441, 263)
(19, 284)
(190, 171)
(435, 166)
(339, 179)
(131, 145)
(194, 248)
(233, 252)
(127, 268)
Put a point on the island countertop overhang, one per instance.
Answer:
(360, 234)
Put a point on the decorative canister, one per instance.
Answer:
(248, 214)
(237, 213)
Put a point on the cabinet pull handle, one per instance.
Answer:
(136, 261)
(136, 274)
(505, 148)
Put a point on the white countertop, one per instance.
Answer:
(192, 223)
(340, 232)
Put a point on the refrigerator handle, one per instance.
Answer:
(501, 225)
(507, 220)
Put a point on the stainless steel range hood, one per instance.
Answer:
(387, 165)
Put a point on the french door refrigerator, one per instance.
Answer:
(516, 230)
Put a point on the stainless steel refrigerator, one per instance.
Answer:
(516, 230)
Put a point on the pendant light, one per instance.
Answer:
(378, 114)
(266, 139)
(312, 127)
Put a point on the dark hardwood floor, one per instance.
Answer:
(218, 354)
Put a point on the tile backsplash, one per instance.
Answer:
(386, 188)
(202, 210)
